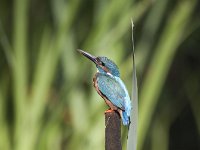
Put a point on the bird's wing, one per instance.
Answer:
(112, 89)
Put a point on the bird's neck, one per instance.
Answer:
(101, 71)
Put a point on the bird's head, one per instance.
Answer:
(103, 64)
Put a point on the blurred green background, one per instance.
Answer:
(47, 101)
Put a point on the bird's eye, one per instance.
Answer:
(102, 64)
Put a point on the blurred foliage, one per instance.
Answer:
(47, 100)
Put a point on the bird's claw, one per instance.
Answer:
(109, 111)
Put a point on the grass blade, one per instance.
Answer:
(132, 135)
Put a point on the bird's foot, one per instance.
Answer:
(109, 111)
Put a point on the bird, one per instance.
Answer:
(110, 87)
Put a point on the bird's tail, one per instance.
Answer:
(125, 118)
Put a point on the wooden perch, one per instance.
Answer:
(112, 131)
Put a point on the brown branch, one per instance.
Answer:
(112, 131)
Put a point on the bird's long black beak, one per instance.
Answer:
(89, 56)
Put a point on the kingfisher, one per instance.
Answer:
(110, 87)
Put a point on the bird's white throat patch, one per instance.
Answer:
(108, 73)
